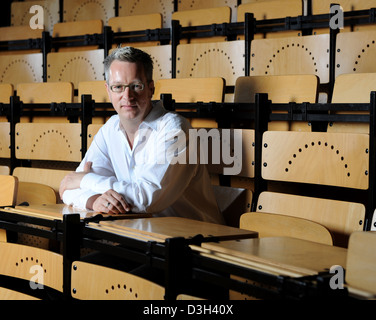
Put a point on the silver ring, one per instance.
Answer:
(108, 204)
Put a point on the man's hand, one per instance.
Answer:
(109, 202)
(73, 179)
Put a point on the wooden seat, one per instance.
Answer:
(31, 264)
(201, 17)
(5, 140)
(136, 23)
(46, 92)
(339, 160)
(161, 56)
(352, 88)
(280, 89)
(21, 15)
(77, 28)
(193, 90)
(291, 55)
(361, 265)
(80, 10)
(49, 177)
(75, 66)
(8, 196)
(21, 68)
(166, 8)
(48, 141)
(201, 60)
(35, 193)
(93, 282)
(19, 33)
(271, 10)
(275, 225)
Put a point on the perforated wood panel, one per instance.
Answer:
(75, 66)
(292, 55)
(17, 261)
(219, 59)
(355, 52)
(93, 282)
(78, 10)
(161, 56)
(335, 159)
(48, 141)
(4, 140)
(21, 16)
(92, 130)
(137, 7)
(20, 68)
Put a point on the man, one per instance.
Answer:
(135, 161)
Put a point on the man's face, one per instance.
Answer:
(132, 104)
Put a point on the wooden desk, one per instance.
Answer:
(57, 211)
(161, 228)
(278, 255)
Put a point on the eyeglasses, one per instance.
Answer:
(134, 86)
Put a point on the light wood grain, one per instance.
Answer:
(80, 10)
(16, 261)
(340, 217)
(93, 282)
(361, 262)
(35, 193)
(287, 254)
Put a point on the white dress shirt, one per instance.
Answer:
(154, 176)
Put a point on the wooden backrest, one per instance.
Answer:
(275, 225)
(136, 23)
(49, 177)
(77, 28)
(272, 10)
(161, 56)
(8, 190)
(96, 89)
(20, 68)
(352, 88)
(355, 52)
(131, 8)
(45, 92)
(79, 10)
(48, 141)
(75, 66)
(21, 15)
(333, 159)
(19, 33)
(93, 282)
(361, 263)
(219, 59)
(4, 170)
(191, 89)
(280, 89)
(35, 193)
(4, 140)
(17, 260)
(184, 5)
(201, 17)
(340, 217)
(6, 91)
(291, 55)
